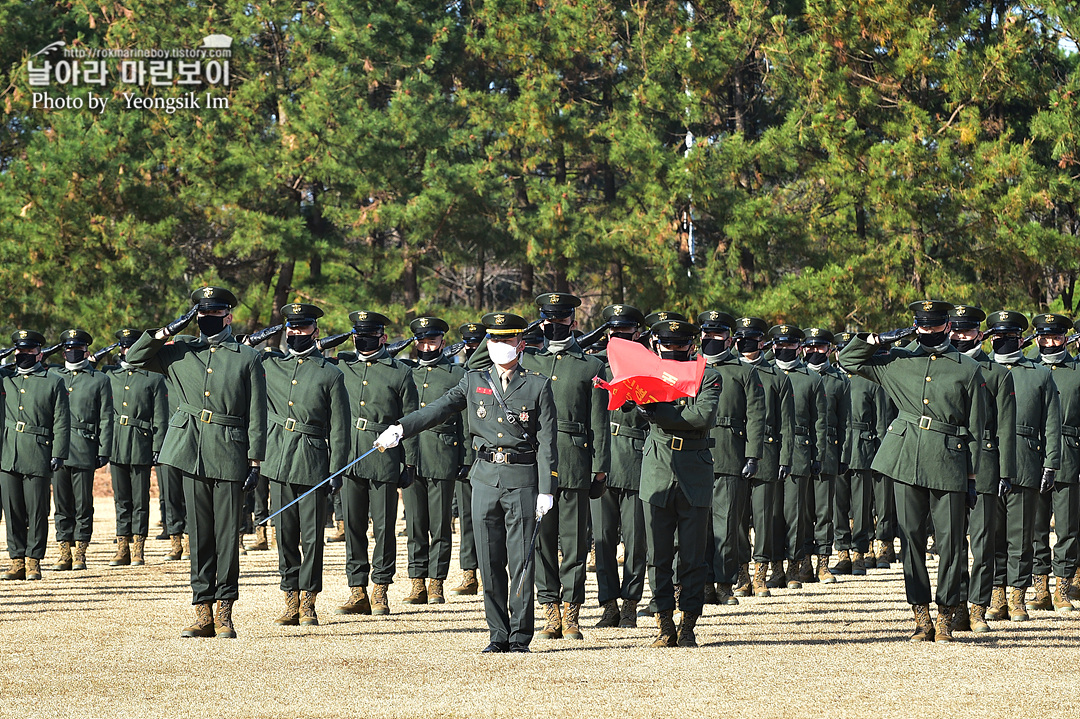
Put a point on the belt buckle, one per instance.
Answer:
(679, 440)
(615, 427)
(359, 426)
(206, 416)
(499, 457)
(924, 422)
(20, 426)
(124, 420)
(290, 425)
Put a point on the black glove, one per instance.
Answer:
(154, 459)
(181, 322)
(597, 488)
(55, 464)
(463, 473)
(6, 351)
(332, 487)
(750, 468)
(815, 468)
(972, 497)
(843, 468)
(627, 405)
(645, 410)
(1004, 486)
(785, 471)
(1047, 482)
(896, 335)
(408, 476)
(251, 481)
(102, 460)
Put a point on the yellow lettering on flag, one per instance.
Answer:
(669, 378)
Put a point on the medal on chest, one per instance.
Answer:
(524, 416)
(481, 411)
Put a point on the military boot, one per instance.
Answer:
(793, 570)
(122, 558)
(823, 574)
(882, 555)
(17, 571)
(418, 593)
(552, 622)
(176, 548)
(571, 628)
(961, 621)
(806, 570)
(78, 561)
(33, 569)
(1074, 586)
(869, 558)
(223, 623)
(943, 625)
(668, 635)
(380, 604)
(357, 603)
(843, 562)
(338, 535)
(999, 607)
(1061, 594)
(291, 616)
(138, 550)
(1042, 599)
(710, 594)
(261, 544)
(468, 586)
(435, 594)
(678, 596)
(628, 615)
(685, 636)
(725, 597)
(977, 619)
(858, 565)
(742, 586)
(1017, 608)
(243, 549)
(63, 562)
(889, 554)
(758, 583)
(590, 566)
(924, 626)
(777, 579)
(610, 616)
(308, 616)
(204, 622)
(185, 548)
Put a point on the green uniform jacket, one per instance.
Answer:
(584, 424)
(948, 389)
(91, 408)
(381, 392)
(998, 441)
(140, 414)
(677, 449)
(37, 425)
(442, 448)
(838, 401)
(779, 437)
(308, 411)
(811, 418)
(1066, 377)
(220, 390)
(740, 416)
(1038, 421)
(629, 428)
(868, 420)
(528, 395)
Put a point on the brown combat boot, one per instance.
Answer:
(668, 635)
(261, 544)
(571, 629)
(291, 616)
(889, 554)
(357, 603)
(777, 579)
(943, 625)
(843, 562)
(961, 621)
(685, 636)
(17, 572)
(308, 616)
(1042, 599)
(176, 547)
(858, 565)
(869, 559)
(204, 622)
(1074, 587)
(122, 558)
(977, 619)
(1017, 606)
(999, 607)
(590, 566)
(338, 535)
(186, 548)
(725, 596)
(138, 550)
(710, 594)
(380, 603)
(418, 593)
(758, 583)
(63, 562)
(33, 569)
(807, 575)
(742, 586)
(610, 617)
(628, 615)
(823, 574)
(794, 567)
(1061, 594)
(552, 622)
(243, 549)
(223, 624)
(678, 596)
(78, 561)
(435, 593)
(469, 585)
(924, 626)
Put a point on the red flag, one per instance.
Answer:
(640, 376)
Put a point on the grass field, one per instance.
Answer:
(105, 643)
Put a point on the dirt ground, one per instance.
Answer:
(105, 643)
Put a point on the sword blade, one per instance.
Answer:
(317, 486)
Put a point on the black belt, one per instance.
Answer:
(934, 425)
(802, 430)
(733, 422)
(369, 426)
(125, 420)
(507, 458)
(861, 426)
(29, 428)
(621, 430)
(84, 426)
(568, 427)
(682, 444)
(1025, 431)
(291, 425)
(1070, 431)
(210, 417)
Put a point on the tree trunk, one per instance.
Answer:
(528, 282)
(281, 291)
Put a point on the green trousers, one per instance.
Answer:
(565, 528)
(731, 494)
(26, 511)
(977, 586)
(853, 518)
(818, 503)
(466, 535)
(884, 508)
(213, 521)
(131, 495)
(616, 515)
(428, 503)
(949, 509)
(171, 483)
(1015, 530)
(73, 500)
(760, 514)
(300, 539)
(789, 513)
(361, 498)
(1064, 503)
(679, 522)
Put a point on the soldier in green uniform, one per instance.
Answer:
(1038, 457)
(216, 438)
(777, 448)
(738, 439)
(617, 513)
(472, 334)
(931, 450)
(307, 441)
(90, 405)
(1064, 501)
(171, 484)
(794, 528)
(584, 434)
(997, 465)
(34, 445)
(381, 391)
(429, 500)
(513, 427)
(853, 490)
(140, 419)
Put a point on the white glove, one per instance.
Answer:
(390, 437)
(544, 503)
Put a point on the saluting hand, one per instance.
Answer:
(178, 324)
(887, 338)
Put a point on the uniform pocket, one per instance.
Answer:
(179, 419)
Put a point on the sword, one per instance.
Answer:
(528, 557)
(320, 484)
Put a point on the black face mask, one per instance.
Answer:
(786, 354)
(300, 343)
(816, 358)
(1051, 350)
(932, 339)
(366, 343)
(628, 336)
(964, 345)
(556, 332)
(429, 355)
(74, 355)
(1005, 345)
(211, 325)
(680, 355)
(25, 361)
(713, 346)
(746, 345)
(469, 351)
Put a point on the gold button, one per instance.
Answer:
(209, 370)
(554, 378)
(429, 369)
(558, 357)
(500, 434)
(127, 386)
(361, 403)
(499, 420)
(290, 403)
(927, 379)
(926, 401)
(423, 404)
(300, 362)
(130, 373)
(20, 406)
(368, 364)
(425, 384)
(365, 382)
(206, 394)
(125, 404)
(22, 391)
(585, 445)
(294, 381)
(213, 349)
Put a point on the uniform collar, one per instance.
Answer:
(382, 356)
(228, 343)
(950, 352)
(573, 348)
